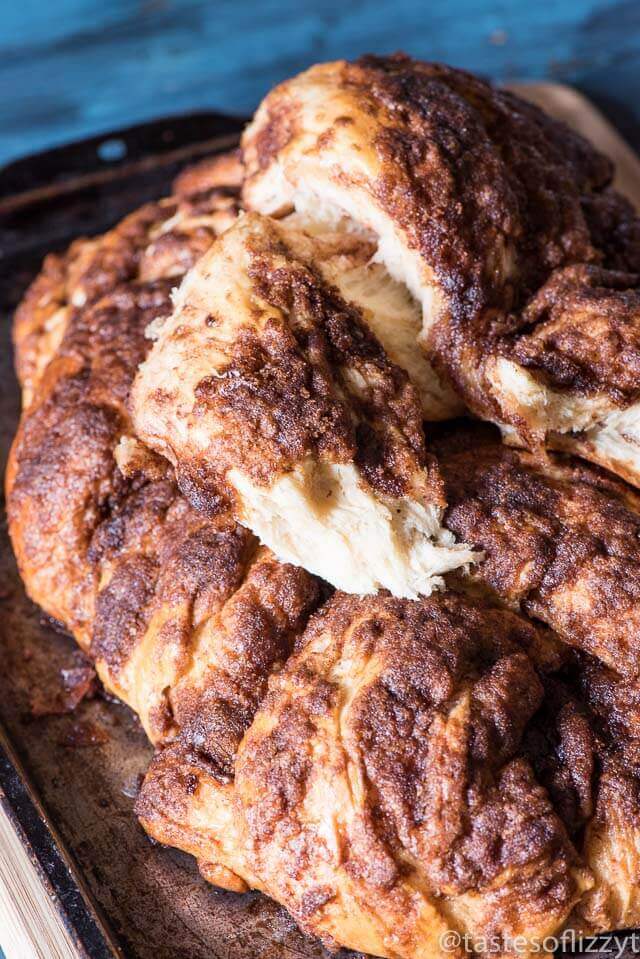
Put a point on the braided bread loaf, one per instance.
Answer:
(389, 768)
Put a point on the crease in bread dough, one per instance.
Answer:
(333, 207)
(591, 426)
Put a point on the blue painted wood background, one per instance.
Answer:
(72, 68)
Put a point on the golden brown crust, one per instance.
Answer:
(560, 540)
(159, 241)
(410, 664)
(584, 334)
(62, 471)
(380, 793)
(62, 475)
(145, 582)
(301, 376)
(405, 746)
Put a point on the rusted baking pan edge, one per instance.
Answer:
(88, 931)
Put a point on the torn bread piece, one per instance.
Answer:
(313, 148)
(267, 387)
(476, 201)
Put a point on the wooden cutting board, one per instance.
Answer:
(30, 921)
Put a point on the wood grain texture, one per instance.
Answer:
(75, 67)
(30, 925)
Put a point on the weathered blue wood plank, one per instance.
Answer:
(76, 67)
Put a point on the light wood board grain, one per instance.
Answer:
(30, 925)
